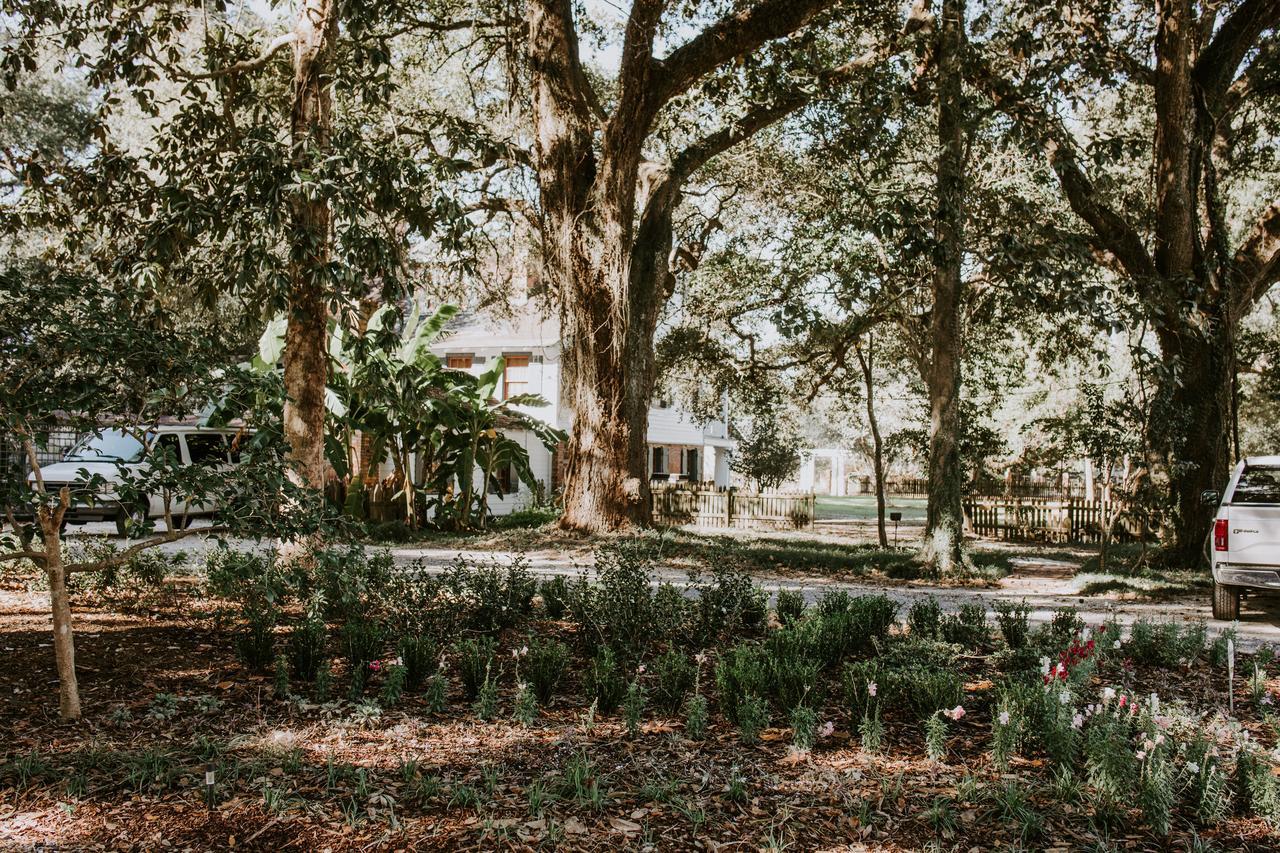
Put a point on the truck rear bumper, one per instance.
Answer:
(1250, 576)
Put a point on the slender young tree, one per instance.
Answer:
(866, 360)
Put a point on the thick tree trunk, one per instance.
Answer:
(1190, 425)
(877, 446)
(944, 529)
(588, 212)
(306, 361)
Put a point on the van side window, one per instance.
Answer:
(1258, 486)
(167, 443)
(207, 449)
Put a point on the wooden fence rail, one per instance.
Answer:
(712, 507)
(1047, 519)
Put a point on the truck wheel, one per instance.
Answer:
(1226, 602)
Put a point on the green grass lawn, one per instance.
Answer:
(863, 507)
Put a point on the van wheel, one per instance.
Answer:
(1226, 602)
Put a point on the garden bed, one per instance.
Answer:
(166, 694)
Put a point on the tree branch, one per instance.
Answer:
(697, 154)
(132, 551)
(1217, 65)
(1112, 232)
(244, 66)
(732, 36)
(1256, 265)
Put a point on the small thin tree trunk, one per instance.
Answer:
(877, 445)
(945, 524)
(64, 646)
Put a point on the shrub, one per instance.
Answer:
(486, 704)
(740, 672)
(872, 616)
(306, 647)
(1013, 620)
(255, 644)
(633, 707)
(695, 721)
(606, 683)
(475, 657)
(618, 611)
(804, 728)
(729, 604)
(753, 717)
(789, 606)
(393, 687)
(1164, 644)
(791, 667)
(352, 582)
(421, 657)
(362, 641)
(925, 618)
(545, 665)
(498, 596)
(968, 627)
(1065, 625)
(674, 672)
(554, 591)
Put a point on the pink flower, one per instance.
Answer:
(1004, 718)
(1124, 700)
(1142, 753)
(827, 728)
(871, 689)
(375, 665)
(1077, 721)
(955, 713)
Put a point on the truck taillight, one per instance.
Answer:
(1220, 534)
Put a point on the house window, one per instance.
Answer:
(458, 362)
(504, 481)
(659, 460)
(515, 377)
(691, 467)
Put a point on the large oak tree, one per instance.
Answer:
(608, 197)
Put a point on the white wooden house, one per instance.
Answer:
(679, 447)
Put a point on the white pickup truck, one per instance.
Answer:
(1244, 550)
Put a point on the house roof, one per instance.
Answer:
(529, 327)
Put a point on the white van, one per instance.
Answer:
(1244, 550)
(110, 452)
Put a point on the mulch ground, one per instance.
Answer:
(163, 693)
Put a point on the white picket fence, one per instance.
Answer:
(707, 506)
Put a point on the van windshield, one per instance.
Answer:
(1258, 486)
(108, 446)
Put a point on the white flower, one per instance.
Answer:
(1108, 693)
(1065, 697)
(827, 728)
(1085, 635)
(1004, 718)
(640, 669)
(1142, 753)
(1062, 667)
(1044, 665)
(871, 688)
(1192, 767)
(1116, 644)
(1077, 721)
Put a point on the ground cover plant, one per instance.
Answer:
(331, 714)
